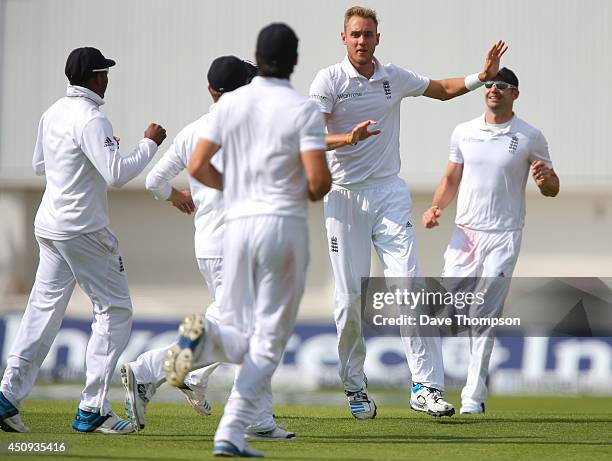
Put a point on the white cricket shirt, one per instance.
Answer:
(209, 215)
(495, 170)
(77, 153)
(263, 127)
(351, 98)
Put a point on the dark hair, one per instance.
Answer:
(266, 70)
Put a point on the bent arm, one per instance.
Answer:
(444, 194)
(199, 165)
(318, 176)
(100, 147)
(168, 167)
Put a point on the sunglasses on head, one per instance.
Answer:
(498, 85)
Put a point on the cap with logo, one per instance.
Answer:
(83, 62)
(226, 73)
(506, 75)
(277, 46)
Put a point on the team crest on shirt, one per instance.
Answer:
(387, 88)
(513, 144)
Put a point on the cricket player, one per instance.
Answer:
(490, 160)
(142, 376)
(369, 203)
(79, 156)
(273, 142)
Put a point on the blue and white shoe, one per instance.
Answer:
(137, 396)
(362, 407)
(472, 409)
(196, 396)
(224, 449)
(10, 421)
(429, 400)
(86, 421)
(179, 358)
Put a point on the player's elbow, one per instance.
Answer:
(151, 182)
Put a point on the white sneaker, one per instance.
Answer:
(362, 407)
(277, 434)
(137, 396)
(196, 396)
(86, 421)
(13, 424)
(472, 409)
(179, 358)
(10, 421)
(430, 400)
(224, 449)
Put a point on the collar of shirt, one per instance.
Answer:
(379, 70)
(74, 91)
(270, 81)
(511, 128)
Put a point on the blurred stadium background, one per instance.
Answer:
(561, 51)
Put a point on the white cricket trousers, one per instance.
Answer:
(264, 271)
(354, 220)
(472, 253)
(94, 262)
(149, 366)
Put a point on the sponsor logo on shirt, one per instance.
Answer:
(334, 244)
(387, 88)
(408, 224)
(343, 96)
(108, 142)
(513, 144)
(319, 97)
(471, 139)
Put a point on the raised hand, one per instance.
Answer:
(491, 66)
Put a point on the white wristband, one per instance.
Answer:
(472, 82)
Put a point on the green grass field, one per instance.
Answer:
(515, 428)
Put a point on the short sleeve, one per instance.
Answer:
(312, 128)
(321, 92)
(455, 155)
(411, 83)
(539, 150)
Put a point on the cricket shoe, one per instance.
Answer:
(87, 421)
(224, 449)
(10, 421)
(279, 434)
(429, 400)
(196, 396)
(472, 409)
(179, 358)
(137, 396)
(362, 407)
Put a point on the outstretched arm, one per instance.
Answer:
(445, 193)
(452, 87)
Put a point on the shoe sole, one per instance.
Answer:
(179, 360)
(254, 437)
(436, 414)
(127, 378)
